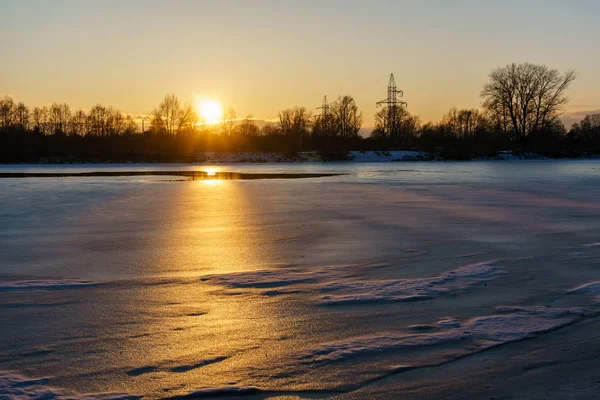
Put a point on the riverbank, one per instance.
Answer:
(346, 156)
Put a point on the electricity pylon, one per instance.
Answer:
(392, 102)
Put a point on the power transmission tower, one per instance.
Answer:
(324, 109)
(325, 115)
(392, 102)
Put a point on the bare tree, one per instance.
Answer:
(21, 116)
(129, 125)
(403, 127)
(58, 118)
(347, 120)
(188, 119)
(78, 125)
(463, 123)
(7, 106)
(39, 119)
(294, 123)
(166, 118)
(228, 123)
(98, 121)
(247, 127)
(588, 130)
(532, 96)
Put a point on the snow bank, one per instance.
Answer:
(356, 156)
(489, 330)
(14, 386)
(249, 157)
(45, 284)
(509, 155)
(338, 285)
(386, 156)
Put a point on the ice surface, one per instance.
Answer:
(323, 248)
(14, 386)
(338, 285)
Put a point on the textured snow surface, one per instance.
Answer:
(338, 285)
(14, 386)
(494, 329)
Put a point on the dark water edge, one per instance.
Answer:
(193, 175)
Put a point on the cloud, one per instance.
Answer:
(573, 117)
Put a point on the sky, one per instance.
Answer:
(263, 56)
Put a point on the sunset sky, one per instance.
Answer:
(262, 56)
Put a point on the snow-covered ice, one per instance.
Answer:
(325, 286)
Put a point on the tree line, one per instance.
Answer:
(520, 111)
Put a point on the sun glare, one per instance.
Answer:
(210, 110)
(211, 171)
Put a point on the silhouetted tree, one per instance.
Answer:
(78, 125)
(167, 117)
(6, 112)
(346, 118)
(58, 118)
(531, 96)
(403, 127)
(587, 132)
(188, 120)
(294, 124)
(464, 123)
(228, 123)
(21, 116)
(39, 119)
(247, 128)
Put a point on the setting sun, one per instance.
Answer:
(210, 110)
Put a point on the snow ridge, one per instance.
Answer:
(490, 330)
(339, 285)
(14, 386)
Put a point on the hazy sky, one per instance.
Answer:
(262, 56)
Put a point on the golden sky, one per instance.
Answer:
(262, 56)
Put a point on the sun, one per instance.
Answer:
(210, 111)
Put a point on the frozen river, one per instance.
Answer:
(394, 280)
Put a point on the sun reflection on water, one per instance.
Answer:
(211, 182)
(191, 332)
